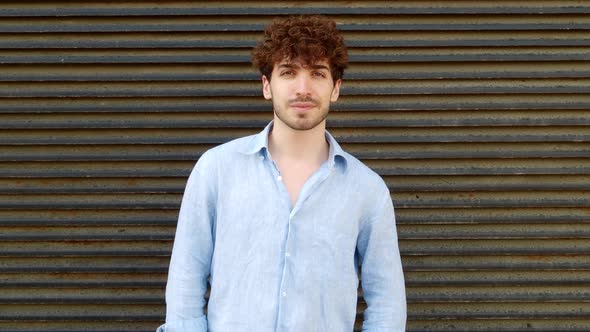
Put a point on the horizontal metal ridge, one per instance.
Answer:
(441, 232)
(344, 135)
(66, 326)
(474, 216)
(26, 269)
(247, 89)
(82, 301)
(535, 281)
(338, 119)
(567, 324)
(188, 74)
(554, 325)
(476, 229)
(371, 39)
(15, 153)
(471, 167)
(164, 24)
(496, 262)
(89, 237)
(124, 217)
(404, 216)
(49, 314)
(158, 185)
(500, 278)
(46, 253)
(383, 167)
(466, 199)
(522, 235)
(290, 7)
(128, 280)
(84, 285)
(498, 315)
(93, 201)
(242, 72)
(87, 233)
(413, 296)
(104, 268)
(119, 56)
(371, 103)
(495, 298)
(97, 326)
(412, 248)
(460, 251)
(93, 169)
(423, 183)
(422, 263)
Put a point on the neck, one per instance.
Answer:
(303, 145)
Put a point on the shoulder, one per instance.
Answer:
(219, 160)
(224, 155)
(371, 191)
(229, 150)
(373, 194)
(238, 145)
(368, 179)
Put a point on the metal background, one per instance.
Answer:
(476, 113)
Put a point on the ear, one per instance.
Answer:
(266, 88)
(335, 91)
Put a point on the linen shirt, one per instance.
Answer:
(277, 267)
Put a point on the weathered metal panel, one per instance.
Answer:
(476, 113)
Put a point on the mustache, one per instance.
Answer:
(306, 99)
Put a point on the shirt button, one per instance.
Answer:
(261, 157)
(284, 294)
(279, 178)
(288, 254)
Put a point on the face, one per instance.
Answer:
(301, 95)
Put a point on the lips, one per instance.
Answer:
(302, 106)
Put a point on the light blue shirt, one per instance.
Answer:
(277, 267)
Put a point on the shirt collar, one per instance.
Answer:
(259, 144)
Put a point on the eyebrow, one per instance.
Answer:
(290, 66)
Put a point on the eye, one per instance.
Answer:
(319, 74)
(287, 73)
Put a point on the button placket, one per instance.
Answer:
(285, 283)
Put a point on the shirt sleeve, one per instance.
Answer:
(381, 270)
(192, 251)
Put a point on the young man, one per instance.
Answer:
(279, 222)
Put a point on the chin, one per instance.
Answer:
(302, 126)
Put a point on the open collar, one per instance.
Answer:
(259, 144)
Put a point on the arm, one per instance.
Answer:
(192, 252)
(382, 275)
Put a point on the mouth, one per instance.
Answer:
(302, 106)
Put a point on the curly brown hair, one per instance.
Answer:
(307, 39)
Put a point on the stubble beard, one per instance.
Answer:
(301, 122)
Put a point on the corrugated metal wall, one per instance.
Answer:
(476, 113)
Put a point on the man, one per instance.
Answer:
(279, 222)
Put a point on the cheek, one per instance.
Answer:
(279, 92)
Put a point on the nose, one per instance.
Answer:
(303, 85)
